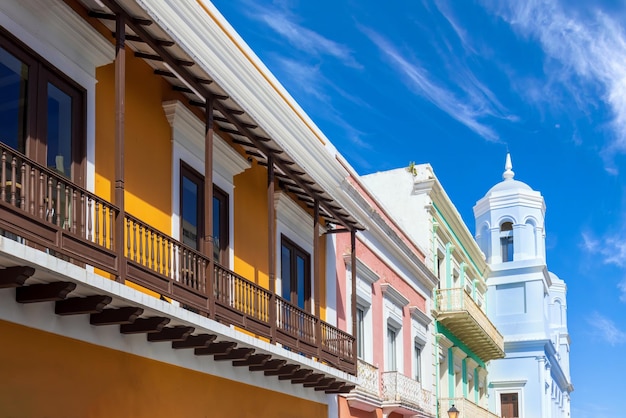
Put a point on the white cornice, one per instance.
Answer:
(189, 133)
(204, 34)
(420, 316)
(394, 295)
(363, 271)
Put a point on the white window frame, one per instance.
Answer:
(188, 146)
(393, 304)
(505, 387)
(365, 277)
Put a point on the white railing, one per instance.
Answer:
(466, 408)
(369, 378)
(402, 389)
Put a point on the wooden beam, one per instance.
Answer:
(286, 370)
(125, 315)
(195, 341)
(46, 292)
(159, 58)
(177, 333)
(222, 347)
(108, 16)
(235, 354)
(312, 379)
(297, 376)
(253, 360)
(15, 276)
(324, 383)
(143, 325)
(86, 305)
(335, 386)
(345, 388)
(269, 365)
(135, 38)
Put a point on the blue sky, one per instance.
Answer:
(456, 84)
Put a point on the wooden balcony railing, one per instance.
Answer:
(44, 209)
(466, 408)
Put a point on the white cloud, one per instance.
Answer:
(606, 329)
(584, 51)
(303, 38)
(612, 250)
(480, 102)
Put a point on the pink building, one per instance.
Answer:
(392, 295)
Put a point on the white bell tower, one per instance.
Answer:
(510, 221)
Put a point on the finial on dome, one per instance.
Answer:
(508, 172)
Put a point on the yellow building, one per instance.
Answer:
(163, 209)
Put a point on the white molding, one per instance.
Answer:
(394, 295)
(363, 271)
(419, 316)
(189, 132)
(294, 217)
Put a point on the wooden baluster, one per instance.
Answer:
(13, 180)
(151, 249)
(141, 260)
(84, 213)
(89, 216)
(97, 231)
(49, 213)
(128, 239)
(147, 245)
(104, 225)
(134, 241)
(23, 192)
(176, 262)
(158, 254)
(66, 221)
(41, 198)
(169, 259)
(31, 189)
(111, 227)
(3, 186)
(57, 204)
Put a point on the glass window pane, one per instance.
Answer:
(13, 103)
(301, 272)
(190, 219)
(285, 275)
(59, 131)
(360, 332)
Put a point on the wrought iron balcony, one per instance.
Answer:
(405, 394)
(458, 312)
(42, 208)
(466, 408)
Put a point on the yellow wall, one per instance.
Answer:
(148, 149)
(250, 212)
(45, 375)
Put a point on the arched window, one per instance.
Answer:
(506, 241)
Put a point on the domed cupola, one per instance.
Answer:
(510, 221)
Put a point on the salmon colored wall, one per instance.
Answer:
(45, 375)
(386, 275)
(346, 411)
(148, 149)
